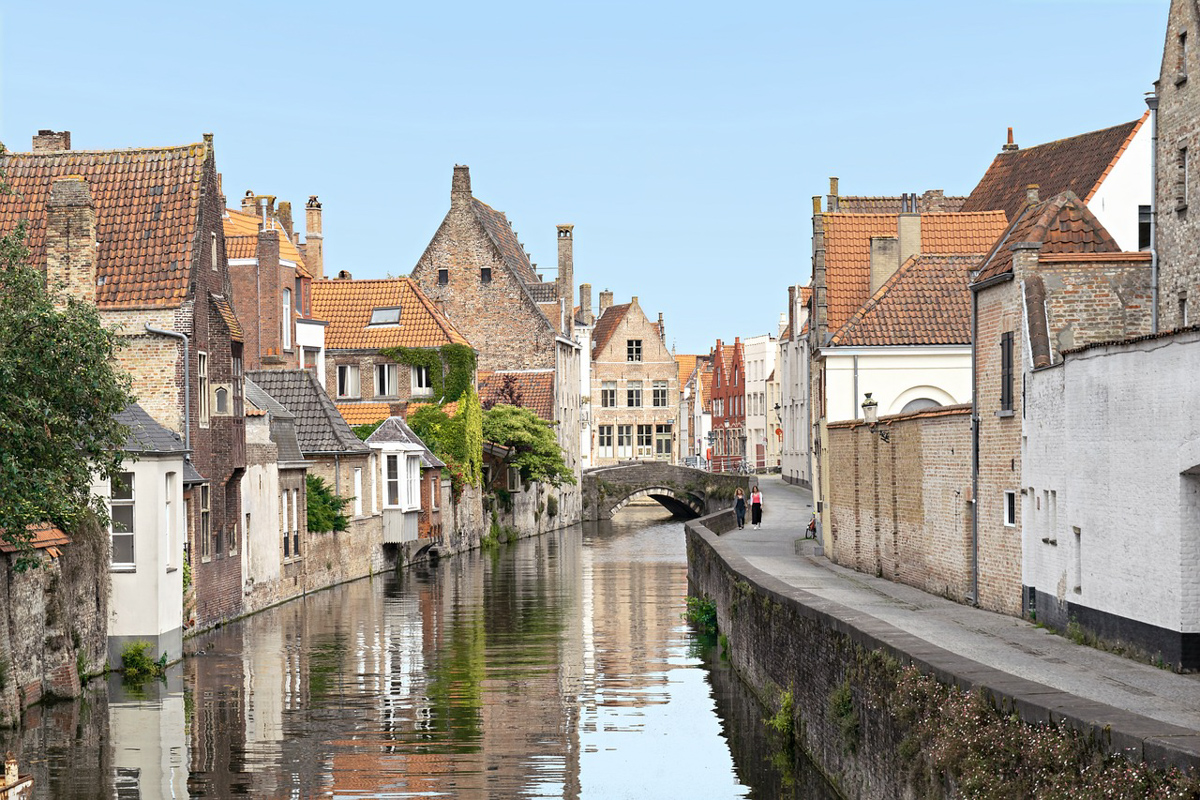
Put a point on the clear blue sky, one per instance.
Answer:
(683, 140)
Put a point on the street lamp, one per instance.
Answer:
(870, 409)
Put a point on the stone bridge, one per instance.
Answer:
(683, 491)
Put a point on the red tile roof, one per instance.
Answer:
(363, 413)
(147, 204)
(348, 304)
(45, 536)
(1062, 224)
(1077, 164)
(536, 388)
(227, 315)
(687, 365)
(241, 239)
(925, 302)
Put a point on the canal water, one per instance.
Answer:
(555, 667)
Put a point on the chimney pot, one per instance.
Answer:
(1010, 145)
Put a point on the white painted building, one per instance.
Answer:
(759, 359)
(900, 379)
(795, 461)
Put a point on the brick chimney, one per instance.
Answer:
(662, 329)
(283, 213)
(249, 204)
(832, 200)
(566, 262)
(1031, 194)
(909, 235)
(606, 298)
(885, 259)
(585, 304)
(48, 141)
(460, 186)
(71, 240)
(1010, 144)
(314, 242)
(270, 298)
(791, 312)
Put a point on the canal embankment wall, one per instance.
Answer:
(840, 669)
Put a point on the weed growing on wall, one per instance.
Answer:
(702, 614)
(137, 665)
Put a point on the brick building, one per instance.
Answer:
(728, 407)
(139, 233)
(478, 274)
(636, 382)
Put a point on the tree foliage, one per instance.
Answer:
(537, 453)
(451, 367)
(325, 509)
(456, 440)
(60, 389)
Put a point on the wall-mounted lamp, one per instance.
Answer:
(870, 409)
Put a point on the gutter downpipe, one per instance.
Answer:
(974, 450)
(187, 384)
(1152, 102)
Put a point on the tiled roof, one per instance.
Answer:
(45, 536)
(687, 365)
(500, 231)
(848, 250)
(319, 426)
(1076, 164)
(146, 435)
(890, 205)
(264, 402)
(1062, 224)
(536, 388)
(348, 304)
(147, 205)
(364, 413)
(450, 409)
(241, 239)
(283, 424)
(925, 302)
(228, 316)
(606, 326)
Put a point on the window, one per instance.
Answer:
(662, 441)
(122, 522)
(237, 381)
(172, 536)
(514, 479)
(485, 274)
(1183, 310)
(205, 523)
(1006, 371)
(202, 369)
(1143, 227)
(443, 276)
(391, 480)
(1181, 64)
(212, 244)
(624, 441)
(633, 394)
(414, 482)
(358, 504)
(421, 385)
(604, 437)
(385, 316)
(299, 296)
(1181, 179)
(295, 522)
(347, 380)
(645, 440)
(633, 350)
(285, 321)
(283, 524)
(1010, 508)
(608, 394)
(385, 380)
(660, 394)
(222, 400)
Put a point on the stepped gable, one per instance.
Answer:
(925, 302)
(147, 205)
(606, 326)
(347, 305)
(319, 426)
(1062, 224)
(1076, 164)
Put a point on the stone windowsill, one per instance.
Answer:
(1004, 413)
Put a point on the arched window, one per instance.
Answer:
(919, 404)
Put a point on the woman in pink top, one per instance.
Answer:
(756, 507)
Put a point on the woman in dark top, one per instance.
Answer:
(756, 507)
(739, 506)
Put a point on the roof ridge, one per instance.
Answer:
(147, 149)
(1068, 138)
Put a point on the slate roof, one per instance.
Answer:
(535, 386)
(395, 429)
(283, 423)
(146, 435)
(500, 231)
(147, 205)
(606, 326)
(925, 302)
(348, 304)
(320, 428)
(1077, 164)
(848, 250)
(1062, 224)
(241, 239)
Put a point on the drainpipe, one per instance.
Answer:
(187, 384)
(974, 451)
(853, 407)
(1152, 102)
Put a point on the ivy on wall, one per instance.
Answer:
(451, 367)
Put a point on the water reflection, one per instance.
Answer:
(558, 667)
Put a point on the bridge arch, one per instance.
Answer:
(681, 504)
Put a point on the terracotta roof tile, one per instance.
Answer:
(535, 386)
(687, 365)
(1076, 164)
(450, 408)
(606, 326)
(348, 304)
(147, 204)
(230, 318)
(244, 228)
(848, 250)
(364, 413)
(45, 537)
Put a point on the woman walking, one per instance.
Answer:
(739, 506)
(755, 507)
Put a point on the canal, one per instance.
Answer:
(555, 667)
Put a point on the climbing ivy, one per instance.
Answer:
(451, 367)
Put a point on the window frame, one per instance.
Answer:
(123, 480)
(1006, 372)
(202, 386)
(633, 394)
(387, 379)
(285, 320)
(382, 316)
(1010, 508)
(343, 375)
(633, 350)
(604, 441)
(420, 382)
(659, 390)
(608, 394)
(205, 522)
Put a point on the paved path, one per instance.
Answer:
(1005, 643)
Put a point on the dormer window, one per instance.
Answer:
(385, 316)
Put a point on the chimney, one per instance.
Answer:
(269, 322)
(832, 205)
(314, 254)
(71, 240)
(606, 298)
(1031, 194)
(249, 202)
(566, 262)
(585, 303)
(460, 186)
(909, 234)
(662, 329)
(885, 260)
(48, 141)
(284, 214)
(791, 312)
(1010, 145)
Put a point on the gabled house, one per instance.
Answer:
(477, 272)
(762, 444)
(697, 406)
(637, 381)
(369, 316)
(728, 407)
(138, 232)
(795, 447)
(411, 477)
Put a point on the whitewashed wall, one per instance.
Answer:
(894, 376)
(1126, 186)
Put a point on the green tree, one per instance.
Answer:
(537, 453)
(325, 509)
(60, 389)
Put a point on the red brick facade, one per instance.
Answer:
(728, 407)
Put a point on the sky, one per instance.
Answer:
(684, 141)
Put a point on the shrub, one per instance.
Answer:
(702, 613)
(138, 666)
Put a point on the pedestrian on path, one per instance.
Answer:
(756, 507)
(739, 506)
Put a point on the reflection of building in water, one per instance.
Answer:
(217, 716)
(149, 730)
